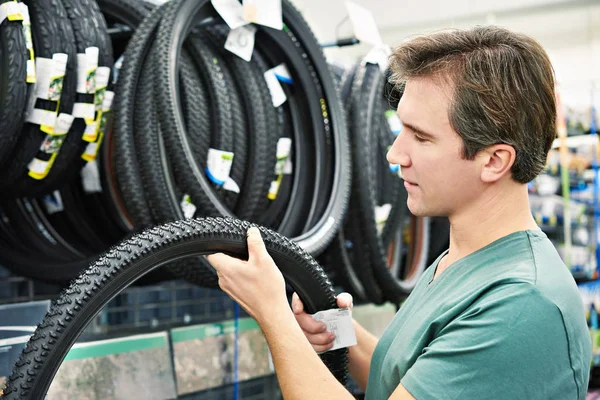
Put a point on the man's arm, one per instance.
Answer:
(359, 356)
(300, 372)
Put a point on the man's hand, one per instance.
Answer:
(315, 331)
(257, 284)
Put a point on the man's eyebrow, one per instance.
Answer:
(418, 130)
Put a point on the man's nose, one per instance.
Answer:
(397, 153)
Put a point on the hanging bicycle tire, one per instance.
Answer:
(115, 270)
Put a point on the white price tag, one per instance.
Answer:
(43, 71)
(379, 55)
(38, 166)
(91, 150)
(273, 190)
(86, 70)
(284, 145)
(63, 124)
(264, 12)
(231, 185)
(338, 321)
(10, 10)
(219, 165)
(188, 208)
(90, 177)
(240, 41)
(365, 27)
(42, 117)
(381, 216)
(102, 76)
(393, 121)
(53, 203)
(231, 11)
(288, 168)
(84, 110)
(108, 100)
(282, 74)
(278, 96)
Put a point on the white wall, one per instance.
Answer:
(568, 30)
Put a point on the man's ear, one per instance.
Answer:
(497, 160)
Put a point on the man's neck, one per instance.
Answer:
(496, 214)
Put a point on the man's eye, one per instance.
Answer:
(420, 139)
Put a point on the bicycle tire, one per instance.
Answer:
(175, 25)
(52, 33)
(118, 268)
(13, 84)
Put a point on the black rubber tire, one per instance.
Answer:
(175, 25)
(13, 84)
(262, 136)
(103, 280)
(89, 28)
(125, 160)
(52, 33)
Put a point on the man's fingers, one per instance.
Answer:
(256, 246)
(220, 261)
(308, 324)
(320, 339)
(320, 349)
(297, 305)
(344, 300)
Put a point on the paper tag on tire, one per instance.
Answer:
(365, 27)
(219, 165)
(240, 41)
(187, 207)
(278, 96)
(379, 55)
(231, 11)
(338, 321)
(264, 12)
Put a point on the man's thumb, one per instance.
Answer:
(256, 246)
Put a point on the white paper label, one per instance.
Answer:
(86, 70)
(231, 11)
(53, 203)
(273, 190)
(108, 100)
(10, 10)
(231, 185)
(84, 110)
(282, 74)
(379, 55)
(91, 150)
(38, 166)
(43, 70)
(338, 321)
(90, 178)
(284, 145)
(63, 124)
(278, 96)
(102, 76)
(288, 168)
(42, 117)
(240, 41)
(393, 121)
(25, 15)
(90, 129)
(219, 165)
(381, 216)
(365, 27)
(187, 207)
(264, 12)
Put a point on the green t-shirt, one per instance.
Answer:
(505, 322)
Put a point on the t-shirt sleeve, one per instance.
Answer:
(509, 344)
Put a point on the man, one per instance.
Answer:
(498, 315)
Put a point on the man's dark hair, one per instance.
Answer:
(503, 89)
